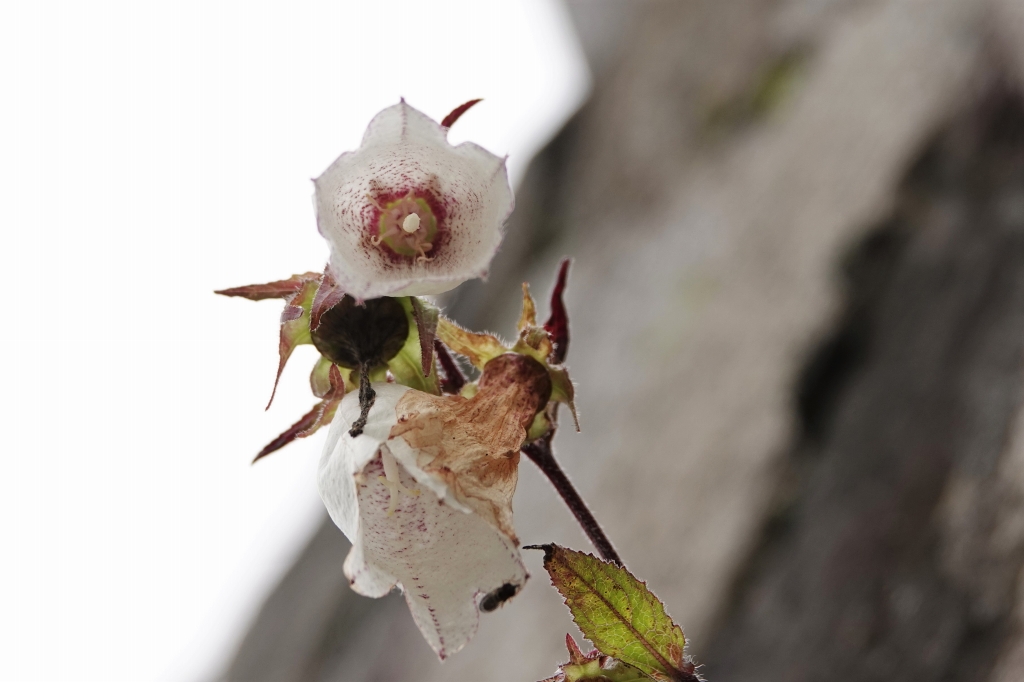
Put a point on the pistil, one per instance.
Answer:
(407, 226)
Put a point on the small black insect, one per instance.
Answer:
(496, 598)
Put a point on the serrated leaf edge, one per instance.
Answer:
(668, 668)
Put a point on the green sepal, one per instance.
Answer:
(594, 671)
(321, 414)
(294, 327)
(534, 342)
(407, 366)
(479, 349)
(320, 377)
(595, 667)
(427, 317)
(562, 391)
(539, 427)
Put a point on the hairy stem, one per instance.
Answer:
(454, 379)
(540, 453)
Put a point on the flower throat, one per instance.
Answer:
(407, 226)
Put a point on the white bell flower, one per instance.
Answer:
(425, 496)
(408, 213)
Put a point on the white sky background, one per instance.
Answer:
(151, 152)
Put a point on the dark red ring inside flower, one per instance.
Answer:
(385, 233)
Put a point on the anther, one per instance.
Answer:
(411, 223)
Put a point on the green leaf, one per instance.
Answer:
(407, 366)
(618, 613)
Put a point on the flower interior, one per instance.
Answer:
(407, 226)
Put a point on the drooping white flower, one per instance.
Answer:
(425, 496)
(408, 213)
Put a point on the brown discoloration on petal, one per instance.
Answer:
(473, 444)
(529, 378)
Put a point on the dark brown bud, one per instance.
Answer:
(371, 333)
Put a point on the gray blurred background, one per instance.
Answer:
(798, 322)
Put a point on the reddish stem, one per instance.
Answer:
(539, 452)
(453, 379)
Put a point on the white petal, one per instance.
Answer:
(402, 122)
(405, 150)
(445, 560)
(345, 457)
(443, 557)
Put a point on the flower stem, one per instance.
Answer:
(367, 396)
(539, 452)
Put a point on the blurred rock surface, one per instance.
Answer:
(733, 157)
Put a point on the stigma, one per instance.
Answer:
(407, 227)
